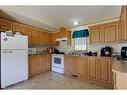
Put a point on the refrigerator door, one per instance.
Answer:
(16, 42)
(14, 67)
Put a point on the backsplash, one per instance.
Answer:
(117, 47)
(39, 48)
(64, 47)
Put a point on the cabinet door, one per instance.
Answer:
(49, 39)
(34, 37)
(82, 67)
(110, 32)
(98, 69)
(28, 32)
(18, 28)
(120, 81)
(69, 65)
(123, 25)
(92, 68)
(33, 70)
(30, 66)
(54, 36)
(106, 72)
(5, 26)
(94, 35)
(48, 57)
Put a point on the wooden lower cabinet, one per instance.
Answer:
(69, 65)
(106, 70)
(93, 68)
(119, 80)
(39, 64)
(82, 67)
(100, 69)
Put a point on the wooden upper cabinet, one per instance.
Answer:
(110, 31)
(94, 34)
(123, 25)
(36, 36)
(48, 39)
(5, 26)
(28, 32)
(18, 28)
(54, 36)
(42, 38)
(61, 34)
(104, 33)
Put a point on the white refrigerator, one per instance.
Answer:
(14, 59)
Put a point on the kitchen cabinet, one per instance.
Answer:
(100, 69)
(104, 33)
(54, 37)
(39, 64)
(92, 67)
(61, 34)
(82, 67)
(18, 28)
(110, 31)
(70, 65)
(94, 34)
(123, 24)
(28, 32)
(48, 39)
(106, 70)
(5, 26)
(36, 36)
(120, 80)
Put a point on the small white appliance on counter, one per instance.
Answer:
(58, 63)
(14, 59)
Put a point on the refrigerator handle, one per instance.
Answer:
(7, 51)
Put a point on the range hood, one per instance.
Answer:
(61, 39)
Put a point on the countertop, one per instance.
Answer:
(88, 56)
(119, 65)
(39, 54)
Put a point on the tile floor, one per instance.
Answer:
(51, 80)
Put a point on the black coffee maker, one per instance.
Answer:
(124, 52)
(106, 51)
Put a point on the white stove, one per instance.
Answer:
(58, 63)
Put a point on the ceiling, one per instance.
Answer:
(54, 17)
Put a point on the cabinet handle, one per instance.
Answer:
(7, 51)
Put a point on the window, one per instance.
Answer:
(80, 43)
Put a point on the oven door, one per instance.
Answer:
(58, 61)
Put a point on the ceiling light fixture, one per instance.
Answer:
(76, 23)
